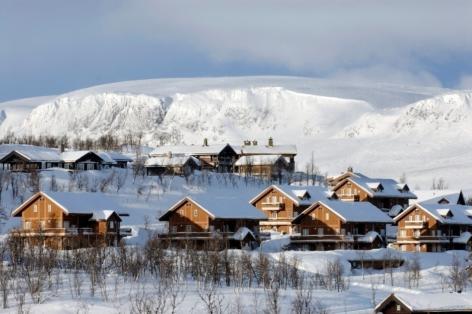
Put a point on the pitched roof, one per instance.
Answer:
(265, 160)
(97, 205)
(379, 187)
(173, 161)
(310, 193)
(31, 152)
(431, 302)
(444, 213)
(451, 198)
(113, 157)
(221, 207)
(194, 150)
(74, 155)
(350, 211)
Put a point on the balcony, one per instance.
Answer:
(350, 197)
(54, 232)
(415, 224)
(321, 238)
(423, 239)
(273, 206)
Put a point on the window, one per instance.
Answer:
(49, 208)
(274, 215)
(402, 233)
(188, 228)
(295, 214)
(181, 212)
(327, 216)
(27, 225)
(320, 231)
(399, 308)
(174, 229)
(112, 224)
(195, 213)
(42, 224)
(305, 231)
(35, 208)
(343, 231)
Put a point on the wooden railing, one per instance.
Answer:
(55, 231)
(414, 224)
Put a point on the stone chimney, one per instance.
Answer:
(349, 169)
(247, 143)
(254, 142)
(205, 142)
(271, 142)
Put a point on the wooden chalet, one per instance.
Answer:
(81, 160)
(200, 219)
(425, 227)
(383, 193)
(182, 165)
(425, 303)
(282, 203)
(252, 148)
(26, 158)
(66, 220)
(268, 167)
(219, 157)
(330, 225)
(114, 159)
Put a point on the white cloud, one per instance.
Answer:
(465, 82)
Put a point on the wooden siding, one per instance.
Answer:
(420, 231)
(191, 215)
(275, 201)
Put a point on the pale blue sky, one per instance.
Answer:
(54, 46)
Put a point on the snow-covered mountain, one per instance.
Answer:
(380, 129)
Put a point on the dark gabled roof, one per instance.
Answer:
(430, 302)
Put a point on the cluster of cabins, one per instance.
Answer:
(251, 158)
(27, 158)
(266, 161)
(355, 212)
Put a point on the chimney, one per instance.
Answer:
(349, 169)
(254, 142)
(247, 143)
(271, 141)
(205, 142)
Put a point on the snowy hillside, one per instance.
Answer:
(382, 130)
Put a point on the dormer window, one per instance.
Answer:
(445, 213)
(375, 186)
(403, 187)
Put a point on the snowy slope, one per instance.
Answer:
(382, 130)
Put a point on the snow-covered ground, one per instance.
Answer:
(146, 198)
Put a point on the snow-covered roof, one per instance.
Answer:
(379, 187)
(230, 206)
(369, 237)
(242, 233)
(113, 157)
(451, 198)
(74, 155)
(194, 150)
(95, 204)
(445, 214)
(351, 211)
(31, 152)
(432, 302)
(300, 195)
(172, 161)
(260, 160)
(463, 238)
(267, 150)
